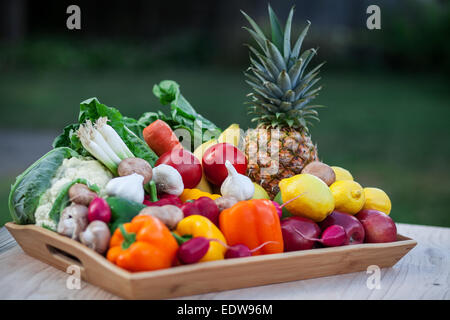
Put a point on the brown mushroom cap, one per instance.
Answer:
(80, 194)
(135, 165)
(321, 171)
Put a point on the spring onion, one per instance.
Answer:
(105, 144)
(113, 139)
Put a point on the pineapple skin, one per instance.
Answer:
(292, 151)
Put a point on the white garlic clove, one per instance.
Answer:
(237, 185)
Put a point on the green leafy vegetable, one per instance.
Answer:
(32, 184)
(182, 114)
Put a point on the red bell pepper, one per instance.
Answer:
(202, 206)
(164, 199)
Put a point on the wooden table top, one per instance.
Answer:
(424, 273)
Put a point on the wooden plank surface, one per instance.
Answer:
(424, 273)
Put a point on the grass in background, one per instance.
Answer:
(390, 131)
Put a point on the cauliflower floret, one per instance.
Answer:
(71, 169)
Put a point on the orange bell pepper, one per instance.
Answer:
(252, 223)
(143, 244)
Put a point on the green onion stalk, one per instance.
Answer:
(103, 143)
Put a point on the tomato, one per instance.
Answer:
(214, 158)
(186, 164)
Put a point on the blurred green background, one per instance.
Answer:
(386, 91)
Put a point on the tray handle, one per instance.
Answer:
(62, 252)
(65, 258)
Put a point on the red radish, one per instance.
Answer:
(297, 231)
(279, 207)
(241, 250)
(353, 228)
(160, 137)
(193, 250)
(99, 210)
(333, 236)
(214, 158)
(238, 251)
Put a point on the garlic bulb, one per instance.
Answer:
(237, 185)
(128, 187)
(168, 180)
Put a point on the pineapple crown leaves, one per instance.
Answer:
(282, 88)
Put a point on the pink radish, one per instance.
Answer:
(193, 250)
(279, 207)
(241, 250)
(99, 210)
(333, 236)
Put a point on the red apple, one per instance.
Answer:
(379, 227)
(295, 229)
(353, 228)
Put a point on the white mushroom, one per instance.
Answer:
(135, 165)
(225, 202)
(73, 221)
(168, 180)
(96, 236)
(170, 215)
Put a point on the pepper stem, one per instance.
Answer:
(181, 239)
(128, 237)
(153, 192)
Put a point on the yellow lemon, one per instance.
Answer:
(316, 201)
(260, 193)
(377, 199)
(348, 196)
(342, 174)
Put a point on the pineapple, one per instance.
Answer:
(281, 145)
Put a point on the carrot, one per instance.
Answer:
(160, 137)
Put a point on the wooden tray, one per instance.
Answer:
(60, 252)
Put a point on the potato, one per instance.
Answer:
(321, 171)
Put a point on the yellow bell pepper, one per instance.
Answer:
(199, 226)
(194, 194)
